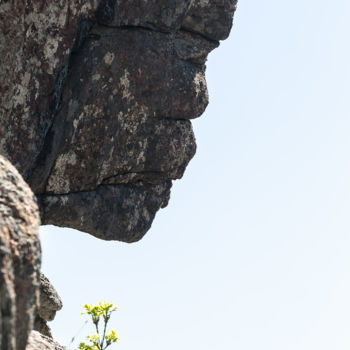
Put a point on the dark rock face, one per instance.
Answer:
(19, 258)
(35, 42)
(162, 15)
(130, 209)
(211, 18)
(96, 103)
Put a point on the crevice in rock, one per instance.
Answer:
(132, 177)
(149, 27)
(45, 161)
(82, 33)
(137, 183)
(193, 32)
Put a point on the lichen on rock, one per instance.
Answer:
(97, 100)
(19, 258)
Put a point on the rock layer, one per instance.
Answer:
(96, 101)
(19, 258)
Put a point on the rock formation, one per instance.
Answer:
(19, 258)
(95, 103)
(96, 98)
(50, 302)
(37, 341)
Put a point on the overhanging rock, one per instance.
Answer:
(96, 103)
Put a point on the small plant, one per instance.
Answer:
(100, 340)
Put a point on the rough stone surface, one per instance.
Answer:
(19, 258)
(211, 18)
(163, 15)
(50, 302)
(37, 341)
(42, 327)
(35, 42)
(95, 103)
(130, 209)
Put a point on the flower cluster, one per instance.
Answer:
(102, 310)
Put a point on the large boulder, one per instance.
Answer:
(19, 258)
(96, 100)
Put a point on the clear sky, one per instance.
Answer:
(253, 250)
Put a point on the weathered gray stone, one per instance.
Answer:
(211, 18)
(42, 327)
(37, 341)
(19, 258)
(50, 302)
(95, 101)
(36, 38)
(114, 212)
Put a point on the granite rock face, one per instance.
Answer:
(50, 302)
(211, 18)
(19, 258)
(36, 39)
(96, 102)
(38, 341)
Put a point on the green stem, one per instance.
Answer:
(96, 325)
(104, 331)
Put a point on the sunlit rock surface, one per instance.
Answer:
(37, 341)
(50, 302)
(19, 258)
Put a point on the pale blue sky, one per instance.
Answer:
(253, 250)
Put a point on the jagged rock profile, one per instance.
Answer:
(95, 103)
(96, 98)
(37, 341)
(50, 302)
(19, 258)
